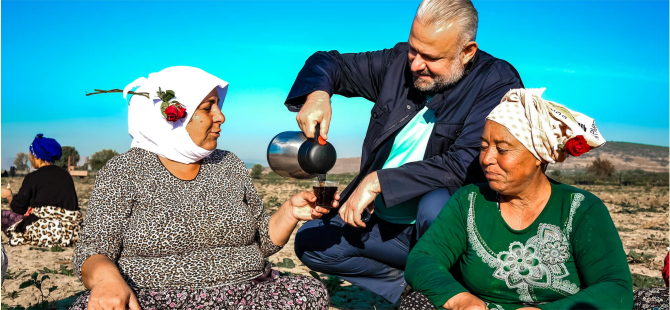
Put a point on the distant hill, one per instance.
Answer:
(624, 156)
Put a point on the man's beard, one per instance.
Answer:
(440, 83)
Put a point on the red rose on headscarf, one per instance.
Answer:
(666, 269)
(182, 112)
(172, 113)
(577, 146)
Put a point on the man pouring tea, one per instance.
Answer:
(431, 96)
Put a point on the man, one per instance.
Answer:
(431, 97)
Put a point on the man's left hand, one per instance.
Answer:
(362, 197)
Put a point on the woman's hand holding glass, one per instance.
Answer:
(305, 208)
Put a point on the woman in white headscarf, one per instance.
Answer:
(523, 240)
(175, 222)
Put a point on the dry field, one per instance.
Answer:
(640, 214)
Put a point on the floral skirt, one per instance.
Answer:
(655, 298)
(281, 292)
(416, 301)
(55, 226)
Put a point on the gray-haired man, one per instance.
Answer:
(431, 97)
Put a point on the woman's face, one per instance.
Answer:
(509, 167)
(205, 124)
(34, 161)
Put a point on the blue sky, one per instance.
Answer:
(607, 59)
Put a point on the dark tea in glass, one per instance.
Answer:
(325, 192)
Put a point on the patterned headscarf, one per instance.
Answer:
(148, 126)
(547, 129)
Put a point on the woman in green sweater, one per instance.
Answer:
(523, 241)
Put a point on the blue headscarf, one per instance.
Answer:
(46, 149)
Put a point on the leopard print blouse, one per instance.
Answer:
(163, 232)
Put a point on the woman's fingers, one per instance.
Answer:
(322, 210)
(133, 304)
(308, 196)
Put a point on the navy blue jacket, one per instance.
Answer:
(384, 77)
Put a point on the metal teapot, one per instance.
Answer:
(292, 155)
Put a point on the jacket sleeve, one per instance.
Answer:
(428, 264)
(601, 263)
(349, 75)
(449, 170)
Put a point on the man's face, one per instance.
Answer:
(434, 56)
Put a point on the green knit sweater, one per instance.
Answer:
(570, 255)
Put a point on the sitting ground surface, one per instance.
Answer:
(640, 214)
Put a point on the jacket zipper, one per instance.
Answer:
(375, 142)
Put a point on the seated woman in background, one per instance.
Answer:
(45, 212)
(523, 240)
(176, 223)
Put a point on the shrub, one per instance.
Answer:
(21, 162)
(601, 167)
(68, 151)
(256, 171)
(100, 158)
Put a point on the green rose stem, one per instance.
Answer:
(100, 91)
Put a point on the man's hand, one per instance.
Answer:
(362, 197)
(465, 301)
(316, 110)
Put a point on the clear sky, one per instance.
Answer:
(607, 59)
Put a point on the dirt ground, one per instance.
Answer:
(639, 213)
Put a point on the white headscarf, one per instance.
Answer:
(147, 125)
(543, 126)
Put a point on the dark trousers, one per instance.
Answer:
(373, 257)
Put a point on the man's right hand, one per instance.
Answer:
(112, 295)
(316, 110)
(465, 301)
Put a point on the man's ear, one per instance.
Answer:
(468, 52)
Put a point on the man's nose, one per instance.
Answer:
(418, 64)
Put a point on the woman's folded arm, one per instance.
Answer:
(428, 264)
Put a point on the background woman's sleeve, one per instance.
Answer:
(21, 201)
(428, 264)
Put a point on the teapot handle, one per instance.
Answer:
(317, 131)
(317, 135)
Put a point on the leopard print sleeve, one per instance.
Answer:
(107, 213)
(261, 217)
